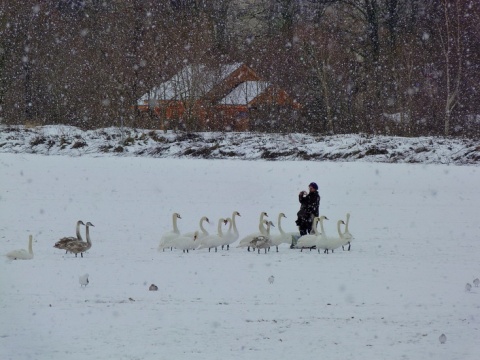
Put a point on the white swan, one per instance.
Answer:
(200, 234)
(245, 242)
(81, 246)
(263, 241)
(283, 237)
(310, 240)
(228, 234)
(346, 234)
(185, 242)
(168, 237)
(232, 234)
(214, 240)
(331, 243)
(62, 243)
(22, 254)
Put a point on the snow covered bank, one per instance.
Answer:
(403, 284)
(63, 140)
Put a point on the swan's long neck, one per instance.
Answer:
(321, 228)
(339, 230)
(280, 224)
(175, 227)
(261, 226)
(230, 221)
(201, 226)
(30, 248)
(89, 242)
(267, 228)
(346, 224)
(79, 236)
(339, 222)
(314, 226)
(219, 229)
(234, 224)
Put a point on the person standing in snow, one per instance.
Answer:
(310, 203)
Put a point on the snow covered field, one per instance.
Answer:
(416, 245)
(72, 141)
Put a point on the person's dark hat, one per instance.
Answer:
(313, 185)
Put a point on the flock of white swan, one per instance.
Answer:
(262, 239)
(201, 239)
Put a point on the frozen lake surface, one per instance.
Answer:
(401, 286)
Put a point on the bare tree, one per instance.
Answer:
(451, 41)
(352, 63)
(318, 60)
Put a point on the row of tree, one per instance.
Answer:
(404, 67)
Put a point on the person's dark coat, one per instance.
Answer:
(308, 209)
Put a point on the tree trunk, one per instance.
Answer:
(452, 79)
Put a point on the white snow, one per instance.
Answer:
(400, 287)
(72, 141)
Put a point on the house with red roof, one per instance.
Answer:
(214, 99)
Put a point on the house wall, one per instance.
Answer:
(228, 118)
(275, 96)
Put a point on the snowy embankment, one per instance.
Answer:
(400, 287)
(64, 140)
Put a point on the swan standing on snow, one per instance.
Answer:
(168, 237)
(81, 246)
(331, 243)
(214, 240)
(22, 254)
(263, 241)
(245, 242)
(63, 242)
(185, 242)
(283, 237)
(200, 234)
(232, 234)
(346, 234)
(310, 240)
